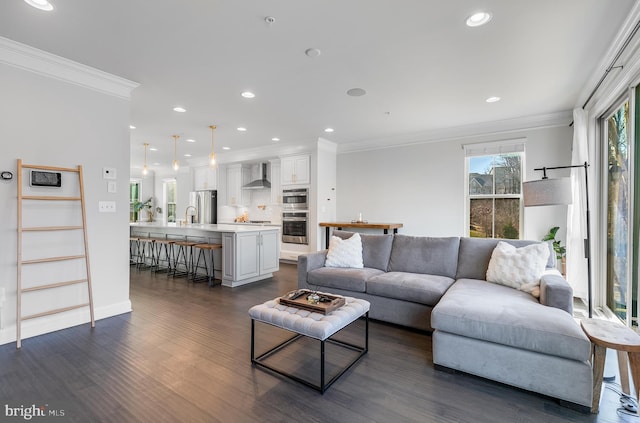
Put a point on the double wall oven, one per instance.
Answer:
(295, 216)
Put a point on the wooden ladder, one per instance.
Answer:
(21, 198)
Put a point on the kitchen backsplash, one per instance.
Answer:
(259, 209)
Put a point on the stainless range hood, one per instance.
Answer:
(262, 182)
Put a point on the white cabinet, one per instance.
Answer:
(276, 190)
(295, 170)
(269, 251)
(205, 177)
(237, 176)
(249, 256)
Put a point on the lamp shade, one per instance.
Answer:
(547, 192)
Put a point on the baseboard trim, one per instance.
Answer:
(35, 327)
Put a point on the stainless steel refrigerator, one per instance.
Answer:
(206, 204)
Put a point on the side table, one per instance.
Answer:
(605, 334)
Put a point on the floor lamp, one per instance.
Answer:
(549, 192)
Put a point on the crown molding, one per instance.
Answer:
(462, 132)
(40, 62)
(616, 45)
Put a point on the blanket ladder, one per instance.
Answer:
(62, 229)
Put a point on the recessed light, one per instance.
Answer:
(328, 130)
(275, 139)
(312, 52)
(156, 164)
(190, 140)
(226, 148)
(132, 127)
(356, 92)
(40, 4)
(187, 155)
(478, 19)
(241, 129)
(153, 149)
(248, 94)
(179, 109)
(492, 99)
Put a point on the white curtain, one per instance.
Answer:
(576, 212)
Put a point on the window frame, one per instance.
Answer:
(516, 146)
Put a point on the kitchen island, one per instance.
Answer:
(249, 253)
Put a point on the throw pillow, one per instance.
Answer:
(519, 268)
(345, 252)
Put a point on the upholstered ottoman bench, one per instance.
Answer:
(310, 324)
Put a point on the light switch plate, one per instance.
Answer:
(108, 173)
(107, 206)
(111, 186)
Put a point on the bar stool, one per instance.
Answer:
(134, 246)
(161, 243)
(201, 248)
(144, 249)
(185, 250)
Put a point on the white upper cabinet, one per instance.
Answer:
(295, 170)
(205, 177)
(276, 191)
(237, 176)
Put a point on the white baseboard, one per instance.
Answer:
(65, 320)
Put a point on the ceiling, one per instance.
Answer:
(423, 69)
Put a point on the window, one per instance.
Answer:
(169, 188)
(616, 129)
(134, 197)
(494, 189)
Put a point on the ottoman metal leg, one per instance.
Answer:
(324, 385)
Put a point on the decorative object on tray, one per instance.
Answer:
(359, 219)
(324, 304)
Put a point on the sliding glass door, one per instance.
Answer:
(619, 292)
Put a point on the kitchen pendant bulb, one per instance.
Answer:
(212, 156)
(176, 166)
(144, 168)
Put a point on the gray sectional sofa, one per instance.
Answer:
(481, 328)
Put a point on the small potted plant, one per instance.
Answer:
(560, 250)
(147, 205)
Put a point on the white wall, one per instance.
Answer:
(422, 185)
(47, 121)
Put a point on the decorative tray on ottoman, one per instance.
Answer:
(325, 305)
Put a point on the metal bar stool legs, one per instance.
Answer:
(184, 257)
(210, 275)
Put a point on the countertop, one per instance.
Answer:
(222, 227)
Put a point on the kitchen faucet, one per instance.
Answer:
(186, 221)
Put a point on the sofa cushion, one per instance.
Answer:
(519, 268)
(432, 256)
(341, 277)
(475, 253)
(414, 287)
(376, 249)
(495, 313)
(345, 252)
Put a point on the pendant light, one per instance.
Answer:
(212, 156)
(176, 165)
(145, 170)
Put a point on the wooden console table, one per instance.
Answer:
(339, 225)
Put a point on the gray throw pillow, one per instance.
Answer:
(426, 255)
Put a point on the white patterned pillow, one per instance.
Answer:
(345, 252)
(519, 268)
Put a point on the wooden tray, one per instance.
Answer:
(321, 307)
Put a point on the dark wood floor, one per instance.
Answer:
(183, 355)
